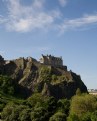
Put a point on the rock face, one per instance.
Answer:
(48, 80)
(1, 60)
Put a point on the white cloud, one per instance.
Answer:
(85, 21)
(25, 18)
(22, 18)
(63, 2)
(38, 3)
(2, 19)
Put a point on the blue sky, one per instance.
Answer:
(66, 28)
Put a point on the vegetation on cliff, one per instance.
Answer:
(48, 80)
(30, 91)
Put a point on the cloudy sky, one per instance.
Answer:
(66, 28)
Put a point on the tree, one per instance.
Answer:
(12, 111)
(7, 111)
(63, 105)
(73, 117)
(59, 116)
(7, 85)
(94, 116)
(25, 115)
(34, 99)
(86, 117)
(39, 114)
(81, 104)
(51, 104)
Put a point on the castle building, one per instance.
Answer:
(51, 60)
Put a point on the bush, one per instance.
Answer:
(73, 117)
(39, 114)
(25, 115)
(63, 105)
(81, 104)
(94, 116)
(7, 85)
(59, 116)
(86, 117)
(12, 111)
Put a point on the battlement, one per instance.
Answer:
(51, 60)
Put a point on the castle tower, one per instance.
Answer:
(51, 60)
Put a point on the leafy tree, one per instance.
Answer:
(25, 115)
(59, 116)
(35, 99)
(81, 104)
(94, 116)
(63, 105)
(2, 105)
(39, 114)
(86, 117)
(73, 117)
(7, 111)
(11, 112)
(7, 85)
(51, 104)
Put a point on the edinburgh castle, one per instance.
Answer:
(51, 60)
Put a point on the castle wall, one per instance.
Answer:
(51, 60)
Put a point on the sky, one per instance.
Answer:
(66, 28)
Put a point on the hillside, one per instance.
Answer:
(33, 76)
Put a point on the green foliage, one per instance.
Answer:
(42, 108)
(82, 107)
(7, 85)
(59, 116)
(63, 78)
(54, 77)
(94, 116)
(86, 117)
(2, 105)
(45, 74)
(73, 117)
(39, 114)
(35, 99)
(25, 115)
(58, 79)
(82, 104)
(12, 111)
(51, 104)
(63, 105)
(7, 111)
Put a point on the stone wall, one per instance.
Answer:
(51, 60)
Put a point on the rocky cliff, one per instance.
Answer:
(48, 80)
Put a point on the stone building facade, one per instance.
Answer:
(51, 60)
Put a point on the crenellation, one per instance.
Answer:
(51, 60)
